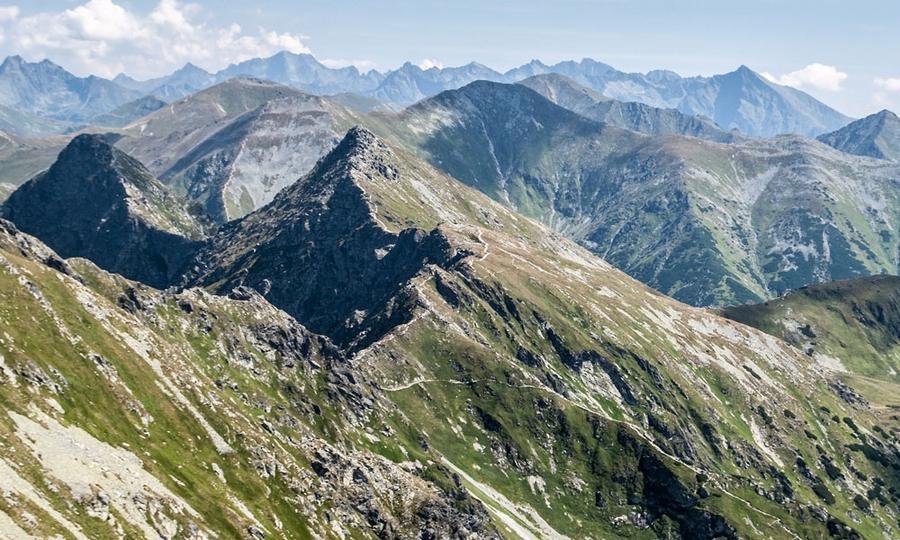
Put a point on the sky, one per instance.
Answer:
(843, 53)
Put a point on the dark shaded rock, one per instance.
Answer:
(317, 252)
(98, 203)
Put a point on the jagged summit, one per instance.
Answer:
(345, 225)
(359, 140)
(12, 61)
(46, 89)
(98, 202)
(360, 149)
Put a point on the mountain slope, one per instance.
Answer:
(856, 322)
(563, 394)
(22, 158)
(875, 136)
(45, 89)
(129, 112)
(25, 124)
(128, 411)
(631, 115)
(704, 222)
(235, 145)
(107, 207)
(744, 100)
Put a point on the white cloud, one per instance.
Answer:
(105, 38)
(362, 65)
(8, 13)
(887, 93)
(429, 63)
(817, 76)
(889, 85)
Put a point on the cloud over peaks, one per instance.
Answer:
(429, 63)
(105, 38)
(815, 76)
(889, 84)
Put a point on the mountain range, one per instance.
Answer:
(658, 193)
(47, 90)
(705, 222)
(741, 100)
(383, 351)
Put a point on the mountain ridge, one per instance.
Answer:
(514, 376)
(680, 199)
(877, 136)
(47, 89)
(741, 99)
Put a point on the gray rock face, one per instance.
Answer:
(876, 136)
(232, 147)
(97, 202)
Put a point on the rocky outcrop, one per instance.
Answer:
(99, 203)
(319, 252)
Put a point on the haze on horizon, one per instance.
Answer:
(834, 51)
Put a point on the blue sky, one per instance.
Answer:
(844, 53)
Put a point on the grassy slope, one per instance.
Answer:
(480, 377)
(275, 408)
(568, 397)
(856, 322)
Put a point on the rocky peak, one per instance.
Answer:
(12, 62)
(190, 68)
(877, 135)
(107, 207)
(91, 150)
(361, 149)
(321, 251)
